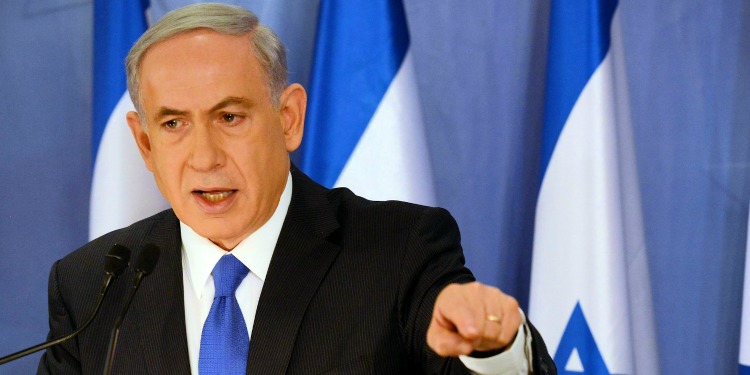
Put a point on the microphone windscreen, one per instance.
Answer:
(116, 260)
(147, 258)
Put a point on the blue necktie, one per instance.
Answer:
(225, 342)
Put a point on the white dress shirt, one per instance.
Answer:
(200, 255)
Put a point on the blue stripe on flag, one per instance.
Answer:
(579, 39)
(589, 250)
(360, 46)
(117, 25)
(744, 370)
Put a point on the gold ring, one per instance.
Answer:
(493, 318)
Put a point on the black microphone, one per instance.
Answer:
(144, 265)
(115, 262)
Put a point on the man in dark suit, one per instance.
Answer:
(334, 283)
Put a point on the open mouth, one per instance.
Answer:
(215, 196)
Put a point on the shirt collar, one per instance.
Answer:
(254, 252)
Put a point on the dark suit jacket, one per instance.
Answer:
(350, 290)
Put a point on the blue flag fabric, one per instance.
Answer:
(117, 25)
(364, 128)
(590, 288)
(577, 46)
(122, 189)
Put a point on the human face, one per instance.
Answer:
(217, 147)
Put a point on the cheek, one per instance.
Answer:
(167, 170)
(256, 148)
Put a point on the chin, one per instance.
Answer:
(212, 230)
(218, 233)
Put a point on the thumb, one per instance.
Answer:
(443, 338)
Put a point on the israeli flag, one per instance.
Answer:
(364, 125)
(590, 289)
(122, 189)
(745, 330)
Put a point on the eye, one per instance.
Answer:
(229, 117)
(172, 124)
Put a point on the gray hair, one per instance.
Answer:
(224, 19)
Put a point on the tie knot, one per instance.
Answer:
(228, 275)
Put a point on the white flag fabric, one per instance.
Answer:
(745, 329)
(122, 189)
(590, 289)
(364, 125)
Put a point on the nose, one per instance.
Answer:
(207, 151)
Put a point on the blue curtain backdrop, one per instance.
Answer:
(480, 70)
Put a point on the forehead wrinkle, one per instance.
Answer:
(162, 82)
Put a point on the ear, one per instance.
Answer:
(292, 106)
(141, 137)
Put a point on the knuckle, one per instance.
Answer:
(476, 286)
(513, 303)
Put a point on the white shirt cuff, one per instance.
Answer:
(514, 360)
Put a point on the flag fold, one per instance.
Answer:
(590, 288)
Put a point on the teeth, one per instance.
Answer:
(216, 196)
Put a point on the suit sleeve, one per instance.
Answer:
(63, 358)
(541, 360)
(432, 259)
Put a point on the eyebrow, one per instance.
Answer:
(166, 111)
(230, 100)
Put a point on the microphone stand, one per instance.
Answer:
(115, 262)
(145, 264)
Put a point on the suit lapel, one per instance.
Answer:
(159, 304)
(300, 261)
